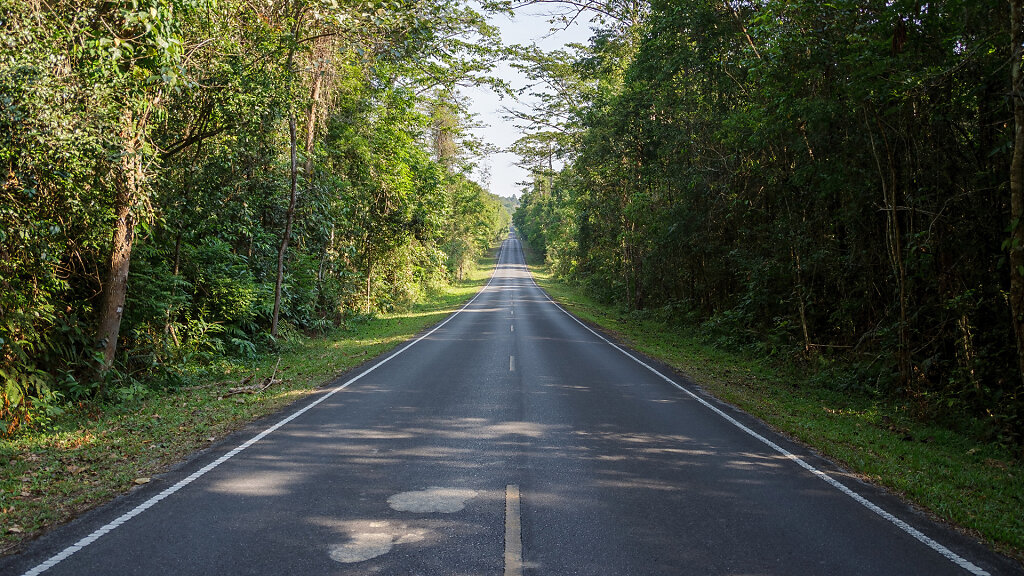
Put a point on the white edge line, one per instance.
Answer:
(946, 552)
(67, 552)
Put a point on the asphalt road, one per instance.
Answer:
(509, 440)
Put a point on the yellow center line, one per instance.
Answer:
(513, 533)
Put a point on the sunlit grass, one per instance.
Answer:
(92, 454)
(977, 486)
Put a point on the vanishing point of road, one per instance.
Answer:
(510, 439)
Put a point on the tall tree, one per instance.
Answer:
(1016, 242)
(132, 51)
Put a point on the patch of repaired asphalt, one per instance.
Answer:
(368, 540)
(443, 500)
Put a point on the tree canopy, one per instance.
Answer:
(819, 181)
(188, 178)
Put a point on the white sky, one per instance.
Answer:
(529, 26)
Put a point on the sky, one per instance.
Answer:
(530, 25)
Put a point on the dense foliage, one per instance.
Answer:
(820, 180)
(183, 179)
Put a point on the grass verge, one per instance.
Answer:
(975, 486)
(91, 454)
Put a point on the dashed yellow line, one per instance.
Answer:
(513, 532)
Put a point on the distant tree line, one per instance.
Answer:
(184, 179)
(819, 180)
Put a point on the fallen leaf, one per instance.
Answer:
(75, 469)
(25, 494)
(15, 529)
(141, 481)
(211, 438)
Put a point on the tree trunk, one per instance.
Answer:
(894, 244)
(800, 298)
(287, 229)
(168, 325)
(1017, 179)
(551, 171)
(900, 269)
(369, 275)
(115, 289)
(314, 99)
(177, 253)
(323, 258)
(893, 241)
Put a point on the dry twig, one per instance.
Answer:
(257, 387)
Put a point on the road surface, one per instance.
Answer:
(511, 439)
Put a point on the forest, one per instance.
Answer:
(836, 185)
(187, 179)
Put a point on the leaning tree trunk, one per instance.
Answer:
(289, 216)
(1017, 179)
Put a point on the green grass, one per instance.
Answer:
(976, 486)
(94, 453)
